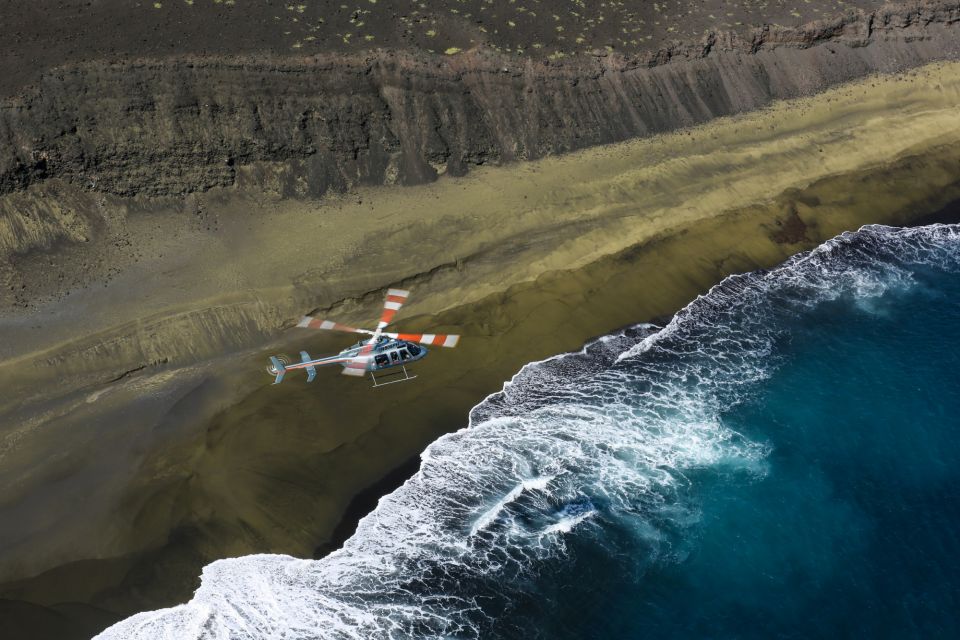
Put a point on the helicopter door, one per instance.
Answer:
(382, 360)
(394, 357)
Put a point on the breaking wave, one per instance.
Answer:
(576, 447)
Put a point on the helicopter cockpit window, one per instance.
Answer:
(413, 349)
(394, 356)
(404, 355)
(382, 360)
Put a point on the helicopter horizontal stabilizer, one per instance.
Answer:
(311, 370)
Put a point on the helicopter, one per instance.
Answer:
(380, 352)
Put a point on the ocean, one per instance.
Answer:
(780, 460)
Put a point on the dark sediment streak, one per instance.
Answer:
(363, 503)
(950, 214)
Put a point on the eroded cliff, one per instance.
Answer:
(169, 127)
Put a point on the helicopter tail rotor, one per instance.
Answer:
(277, 367)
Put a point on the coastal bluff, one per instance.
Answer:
(303, 126)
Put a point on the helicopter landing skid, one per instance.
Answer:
(406, 376)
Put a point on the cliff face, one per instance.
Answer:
(168, 127)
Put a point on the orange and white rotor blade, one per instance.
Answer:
(358, 365)
(395, 300)
(435, 339)
(309, 322)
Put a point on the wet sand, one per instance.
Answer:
(147, 476)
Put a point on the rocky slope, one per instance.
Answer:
(167, 127)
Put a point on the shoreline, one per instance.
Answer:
(366, 499)
(277, 469)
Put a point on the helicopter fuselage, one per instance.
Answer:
(388, 352)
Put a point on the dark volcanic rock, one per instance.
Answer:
(177, 125)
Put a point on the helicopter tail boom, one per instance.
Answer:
(279, 365)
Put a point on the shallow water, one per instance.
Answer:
(778, 460)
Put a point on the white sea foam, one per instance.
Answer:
(612, 433)
(488, 516)
(566, 524)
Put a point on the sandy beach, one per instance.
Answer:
(141, 438)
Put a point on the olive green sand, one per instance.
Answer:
(145, 439)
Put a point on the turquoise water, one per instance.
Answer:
(781, 460)
(852, 530)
